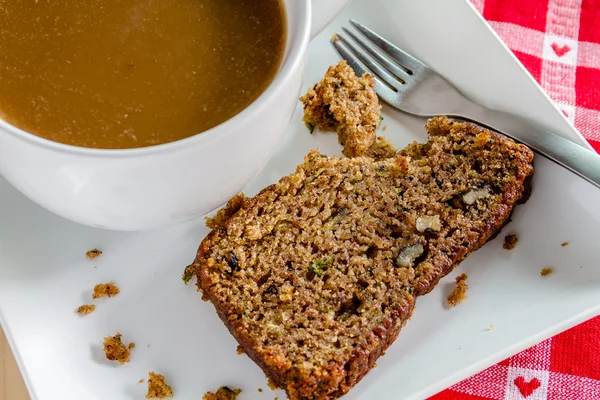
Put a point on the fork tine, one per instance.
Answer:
(399, 55)
(398, 72)
(359, 68)
(371, 64)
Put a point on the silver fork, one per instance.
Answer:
(411, 86)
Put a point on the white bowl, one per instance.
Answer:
(141, 189)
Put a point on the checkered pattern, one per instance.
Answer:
(565, 367)
(558, 41)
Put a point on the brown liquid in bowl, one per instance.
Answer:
(133, 73)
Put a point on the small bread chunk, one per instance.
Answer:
(157, 387)
(86, 309)
(316, 275)
(347, 104)
(188, 274)
(224, 393)
(115, 349)
(510, 241)
(105, 290)
(91, 254)
(459, 294)
(546, 271)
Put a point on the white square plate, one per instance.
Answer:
(44, 275)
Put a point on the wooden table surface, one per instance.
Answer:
(11, 383)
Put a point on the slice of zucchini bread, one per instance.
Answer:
(316, 275)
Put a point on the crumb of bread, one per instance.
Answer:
(115, 350)
(105, 290)
(141, 380)
(224, 214)
(188, 273)
(460, 291)
(564, 244)
(224, 393)
(335, 37)
(490, 327)
(347, 104)
(240, 350)
(157, 387)
(271, 384)
(510, 241)
(260, 390)
(546, 271)
(86, 309)
(91, 254)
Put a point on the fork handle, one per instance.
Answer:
(579, 160)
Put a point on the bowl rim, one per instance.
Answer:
(296, 43)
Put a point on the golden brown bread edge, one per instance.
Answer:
(363, 360)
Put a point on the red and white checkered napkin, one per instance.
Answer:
(565, 367)
(559, 43)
